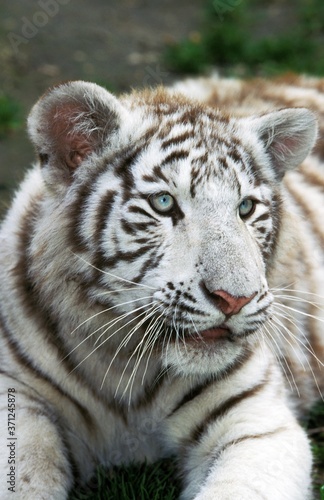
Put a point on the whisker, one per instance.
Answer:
(137, 347)
(108, 292)
(311, 351)
(163, 371)
(295, 322)
(168, 331)
(280, 362)
(299, 312)
(107, 310)
(114, 322)
(140, 351)
(113, 275)
(104, 341)
(280, 333)
(158, 328)
(149, 344)
(295, 290)
(111, 323)
(293, 298)
(197, 332)
(296, 339)
(126, 340)
(168, 343)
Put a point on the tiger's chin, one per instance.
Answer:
(214, 351)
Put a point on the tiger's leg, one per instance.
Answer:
(249, 448)
(33, 457)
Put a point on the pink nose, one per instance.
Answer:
(229, 304)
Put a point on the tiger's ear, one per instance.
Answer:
(71, 122)
(288, 136)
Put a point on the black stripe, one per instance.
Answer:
(222, 410)
(148, 178)
(128, 227)
(235, 155)
(181, 309)
(157, 171)
(262, 217)
(138, 210)
(105, 205)
(213, 380)
(200, 161)
(144, 226)
(23, 359)
(189, 297)
(102, 261)
(198, 172)
(222, 162)
(134, 228)
(178, 139)
(126, 159)
(193, 393)
(76, 217)
(191, 115)
(150, 392)
(261, 230)
(151, 263)
(249, 437)
(175, 156)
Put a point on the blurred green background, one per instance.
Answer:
(136, 43)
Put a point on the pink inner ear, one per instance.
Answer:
(284, 145)
(68, 131)
(77, 154)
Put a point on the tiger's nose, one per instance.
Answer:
(229, 304)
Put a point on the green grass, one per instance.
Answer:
(227, 41)
(315, 426)
(137, 482)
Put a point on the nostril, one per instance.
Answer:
(229, 304)
(222, 303)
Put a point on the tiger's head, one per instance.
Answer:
(173, 212)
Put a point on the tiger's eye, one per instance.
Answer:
(247, 207)
(162, 202)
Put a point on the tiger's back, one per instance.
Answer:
(161, 267)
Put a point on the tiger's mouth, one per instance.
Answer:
(213, 334)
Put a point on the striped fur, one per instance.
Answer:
(161, 277)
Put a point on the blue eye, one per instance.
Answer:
(247, 207)
(162, 202)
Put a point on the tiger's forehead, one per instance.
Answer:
(196, 149)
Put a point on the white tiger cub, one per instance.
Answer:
(160, 284)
